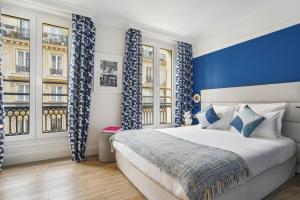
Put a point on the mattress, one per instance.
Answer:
(260, 154)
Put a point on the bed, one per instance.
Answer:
(272, 162)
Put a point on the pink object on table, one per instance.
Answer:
(112, 129)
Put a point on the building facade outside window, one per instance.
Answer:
(34, 48)
(55, 58)
(22, 61)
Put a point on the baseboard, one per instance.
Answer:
(92, 150)
(26, 157)
(38, 152)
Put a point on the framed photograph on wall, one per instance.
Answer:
(107, 73)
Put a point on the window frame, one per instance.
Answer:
(157, 45)
(36, 21)
(20, 13)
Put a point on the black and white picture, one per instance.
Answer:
(107, 73)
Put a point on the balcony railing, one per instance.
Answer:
(16, 32)
(21, 33)
(148, 113)
(54, 71)
(165, 110)
(17, 118)
(56, 39)
(22, 69)
(17, 115)
(55, 118)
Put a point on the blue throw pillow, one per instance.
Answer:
(246, 121)
(207, 117)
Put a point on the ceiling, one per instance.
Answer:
(185, 18)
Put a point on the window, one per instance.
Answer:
(147, 85)
(56, 92)
(22, 61)
(149, 74)
(165, 85)
(56, 65)
(24, 29)
(16, 43)
(157, 84)
(148, 52)
(35, 100)
(55, 35)
(55, 57)
(23, 92)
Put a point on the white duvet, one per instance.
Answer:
(260, 154)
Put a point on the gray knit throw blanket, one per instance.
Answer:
(203, 171)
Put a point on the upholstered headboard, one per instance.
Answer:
(288, 93)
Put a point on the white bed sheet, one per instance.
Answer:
(260, 154)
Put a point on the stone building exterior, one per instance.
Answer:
(16, 71)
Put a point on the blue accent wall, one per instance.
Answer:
(272, 58)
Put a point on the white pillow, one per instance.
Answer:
(225, 113)
(269, 128)
(207, 117)
(261, 108)
(224, 122)
(265, 108)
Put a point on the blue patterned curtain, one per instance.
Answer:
(132, 81)
(80, 84)
(1, 104)
(184, 81)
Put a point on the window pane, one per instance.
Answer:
(165, 90)
(27, 61)
(20, 58)
(59, 62)
(53, 91)
(16, 41)
(55, 78)
(20, 90)
(24, 27)
(59, 90)
(147, 85)
(53, 60)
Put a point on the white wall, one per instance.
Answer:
(279, 16)
(106, 107)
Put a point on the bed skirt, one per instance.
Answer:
(255, 188)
